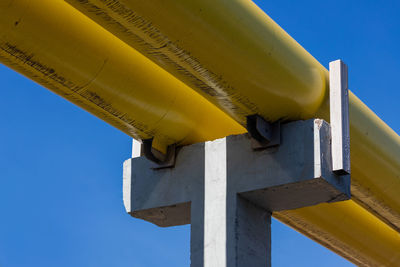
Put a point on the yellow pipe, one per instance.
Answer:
(55, 45)
(58, 47)
(229, 51)
(236, 56)
(357, 235)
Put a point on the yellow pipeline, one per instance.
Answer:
(236, 56)
(55, 45)
(349, 230)
(58, 47)
(229, 51)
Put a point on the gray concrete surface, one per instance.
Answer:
(227, 191)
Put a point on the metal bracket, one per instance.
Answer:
(263, 133)
(339, 117)
(162, 160)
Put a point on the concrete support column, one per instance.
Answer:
(249, 235)
(226, 228)
(242, 239)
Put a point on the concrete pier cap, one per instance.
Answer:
(227, 190)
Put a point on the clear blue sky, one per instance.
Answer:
(61, 168)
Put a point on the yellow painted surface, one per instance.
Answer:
(358, 236)
(229, 51)
(53, 44)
